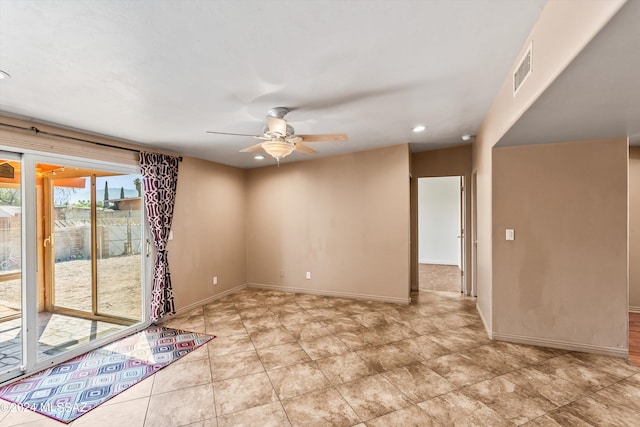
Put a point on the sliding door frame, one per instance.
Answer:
(30, 247)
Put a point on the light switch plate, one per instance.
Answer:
(510, 234)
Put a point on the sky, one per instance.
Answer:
(115, 184)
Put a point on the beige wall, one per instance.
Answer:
(634, 227)
(563, 29)
(454, 161)
(209, 237)
(345, 219)
(563, 280)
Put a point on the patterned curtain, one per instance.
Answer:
(159, 180)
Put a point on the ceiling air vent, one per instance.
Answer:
(523, 70)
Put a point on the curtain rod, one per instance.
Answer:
(73, 138)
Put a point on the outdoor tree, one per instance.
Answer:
(61, 195)
(122, 192)
(10, 196)
(138, 183)
(106, 193)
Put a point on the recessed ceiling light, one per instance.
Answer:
(258, 157)
(419, 128)
(467, 137)
(4, 74)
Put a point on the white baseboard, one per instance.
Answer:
(209, 300)
(331, 293)
(484, 322)
(634, 309)
(564, 345)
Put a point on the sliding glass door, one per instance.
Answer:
(72, 261)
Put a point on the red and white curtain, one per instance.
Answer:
(159, 180)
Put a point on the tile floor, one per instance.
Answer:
(56, 334)
(289, 359)
(438, 277)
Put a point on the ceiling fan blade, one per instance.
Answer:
(277, 125)
(253, 148)
(305, 149)
(234, 134)
(333, 137)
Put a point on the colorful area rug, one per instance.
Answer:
(73, 388)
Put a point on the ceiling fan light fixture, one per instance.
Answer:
(259, 157)
(278, 149)
(419, 128)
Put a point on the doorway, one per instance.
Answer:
(441, 234)
(72, 258)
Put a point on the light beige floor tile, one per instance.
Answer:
(456, 409)
(625, 393)
(131, 413)
(294, 380)
(495, 358)
(360, 338)
(574, 370)
(387, 357)
(599, 411)
(282, 355)
(322, 347)
(184, 406)
(556, 390)
(308, 330)
(271, 337)
(210, 422)
(459, 370)
(373, 396)
(510, 400)
(221, 346)
(412, 416)
(268, 321)
(271, 414)
(530, 353)
(423, 347)
(25, 417)
(224, 329)
(320, 409)
(460, 341)
(290, 318)
(235, 365)
(423, 325)
(253, 312)
(178, 376)
(325, 313)
(238, 394)
(342, 324)
(344, 368)
(418, 382)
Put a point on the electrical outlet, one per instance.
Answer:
(215, 280)
(308, 275)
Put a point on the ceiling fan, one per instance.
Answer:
(279, 139)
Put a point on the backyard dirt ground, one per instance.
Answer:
(119, 287)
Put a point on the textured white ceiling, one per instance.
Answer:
(163, 72)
